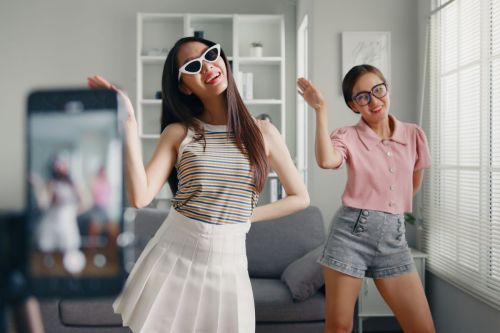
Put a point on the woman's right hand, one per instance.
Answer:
(98, 82)
(311, 94)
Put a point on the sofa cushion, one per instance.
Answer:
(92, 312)
(146, 223)
(273, 245)
(304, 276)
(274, 303)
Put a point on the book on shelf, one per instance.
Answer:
(244, 82)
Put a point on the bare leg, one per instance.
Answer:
(341, 293)
(113, 230)
(93, 232)
(27, 316)
(406, 297)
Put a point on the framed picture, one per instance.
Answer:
(366, 47)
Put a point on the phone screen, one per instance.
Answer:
(75, 194)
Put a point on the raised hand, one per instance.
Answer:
(98, 82)
(310, 93)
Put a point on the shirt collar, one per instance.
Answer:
(370, 139)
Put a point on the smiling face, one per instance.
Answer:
(211, 81)
(378, 108)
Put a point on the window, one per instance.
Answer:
(461, 196)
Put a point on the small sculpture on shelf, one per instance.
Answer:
(257, 49)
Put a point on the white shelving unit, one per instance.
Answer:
(157, 33)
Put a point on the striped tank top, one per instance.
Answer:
(215, 182)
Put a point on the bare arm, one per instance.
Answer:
(143, 183)
(326, 156)
(417, 180)
(281, 162)
(159, 167)
(40, 191)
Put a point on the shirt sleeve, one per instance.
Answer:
(338, 139)
(423, 156)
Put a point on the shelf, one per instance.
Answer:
(260, 60)
(210, 18)
(153, 59)
(262, 101)
(151, 102)
(158, 17)
(149, 136)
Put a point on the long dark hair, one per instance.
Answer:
(178, 107)
(352, 77)
(56, 174)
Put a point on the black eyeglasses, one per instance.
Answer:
(365, 97)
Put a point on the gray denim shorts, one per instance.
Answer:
(367, 243)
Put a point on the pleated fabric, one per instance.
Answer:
(191, 277)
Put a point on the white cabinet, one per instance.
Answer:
(371, 303)
(157, 33)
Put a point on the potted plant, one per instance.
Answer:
(410, 218)
(257, 49)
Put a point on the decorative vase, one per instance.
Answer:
(256, 51)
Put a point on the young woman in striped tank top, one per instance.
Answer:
(192, 276)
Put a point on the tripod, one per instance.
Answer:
(14, 291)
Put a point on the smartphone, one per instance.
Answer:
(75, 194)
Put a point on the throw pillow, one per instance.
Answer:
(304, 276)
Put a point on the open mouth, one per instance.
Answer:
(214, 78)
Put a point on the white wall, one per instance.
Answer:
(55, 43)
(328, 18)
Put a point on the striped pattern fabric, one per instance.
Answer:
(215, 182)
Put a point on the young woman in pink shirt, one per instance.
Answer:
(385, 160)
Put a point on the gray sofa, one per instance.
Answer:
(271, 247)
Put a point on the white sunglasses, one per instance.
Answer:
(194, 66)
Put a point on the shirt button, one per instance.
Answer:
(392, 187)
(389, 153)
(391, 170)
(385, 142)
(391, 204)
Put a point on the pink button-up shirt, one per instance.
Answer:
(380, 172)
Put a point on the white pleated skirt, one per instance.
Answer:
(191, 277)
